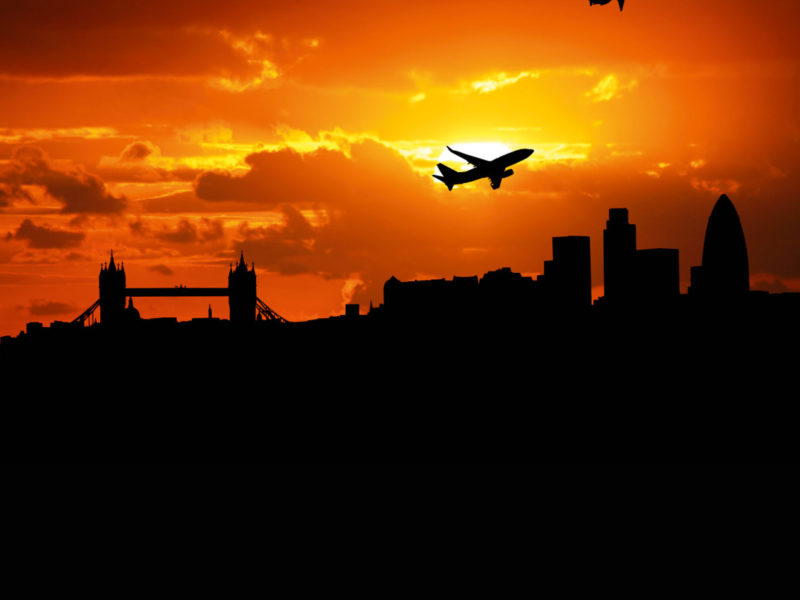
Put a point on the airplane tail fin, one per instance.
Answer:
(447, 175)
(443, 180)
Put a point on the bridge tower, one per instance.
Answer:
(112, 292)
(241, 293)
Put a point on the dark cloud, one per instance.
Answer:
(138, 227)
(133, 165)
(42, 308)
(161, 269)
(186, 232)
(12, 191)
(157, 38)
(210, 230)
(325, 176)
(287, 249)
(267, 185)
(92, 39)
(45, 237)
(79, 192)
(136, 151)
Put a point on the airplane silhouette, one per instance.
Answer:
(495, 169)
(602, 2)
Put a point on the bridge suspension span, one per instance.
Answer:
(244, 305)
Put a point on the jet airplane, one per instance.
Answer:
(495, 169)
(603, 2)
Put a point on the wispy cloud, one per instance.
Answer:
(263, 53)
(18, 136)
(609, 87)
(501, 80)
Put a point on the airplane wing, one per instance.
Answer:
(473, 160)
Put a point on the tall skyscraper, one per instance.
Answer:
(570, 277)
(725, 272)
(619, 249)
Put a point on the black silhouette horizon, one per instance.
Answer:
(497, 368)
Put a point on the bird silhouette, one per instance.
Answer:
(601, 2)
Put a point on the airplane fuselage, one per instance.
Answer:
(495, 169)
(514, 157)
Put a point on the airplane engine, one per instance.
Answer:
(496, 180)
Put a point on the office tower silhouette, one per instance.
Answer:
(502, 293)
(242, 292)
(657, 275)
(619, 249)
(569, 276)
(510, 295)
(724, 272)
(634, 277)
(112, 292)
(437, 299)
(415, 299)
(547, 271)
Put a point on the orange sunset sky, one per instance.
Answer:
(306, 133)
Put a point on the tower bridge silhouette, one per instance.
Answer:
(243, 303)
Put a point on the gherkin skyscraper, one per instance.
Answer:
(725, 270)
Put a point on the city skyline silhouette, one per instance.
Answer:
(634, 279)
(221, 237)
(497, 368)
